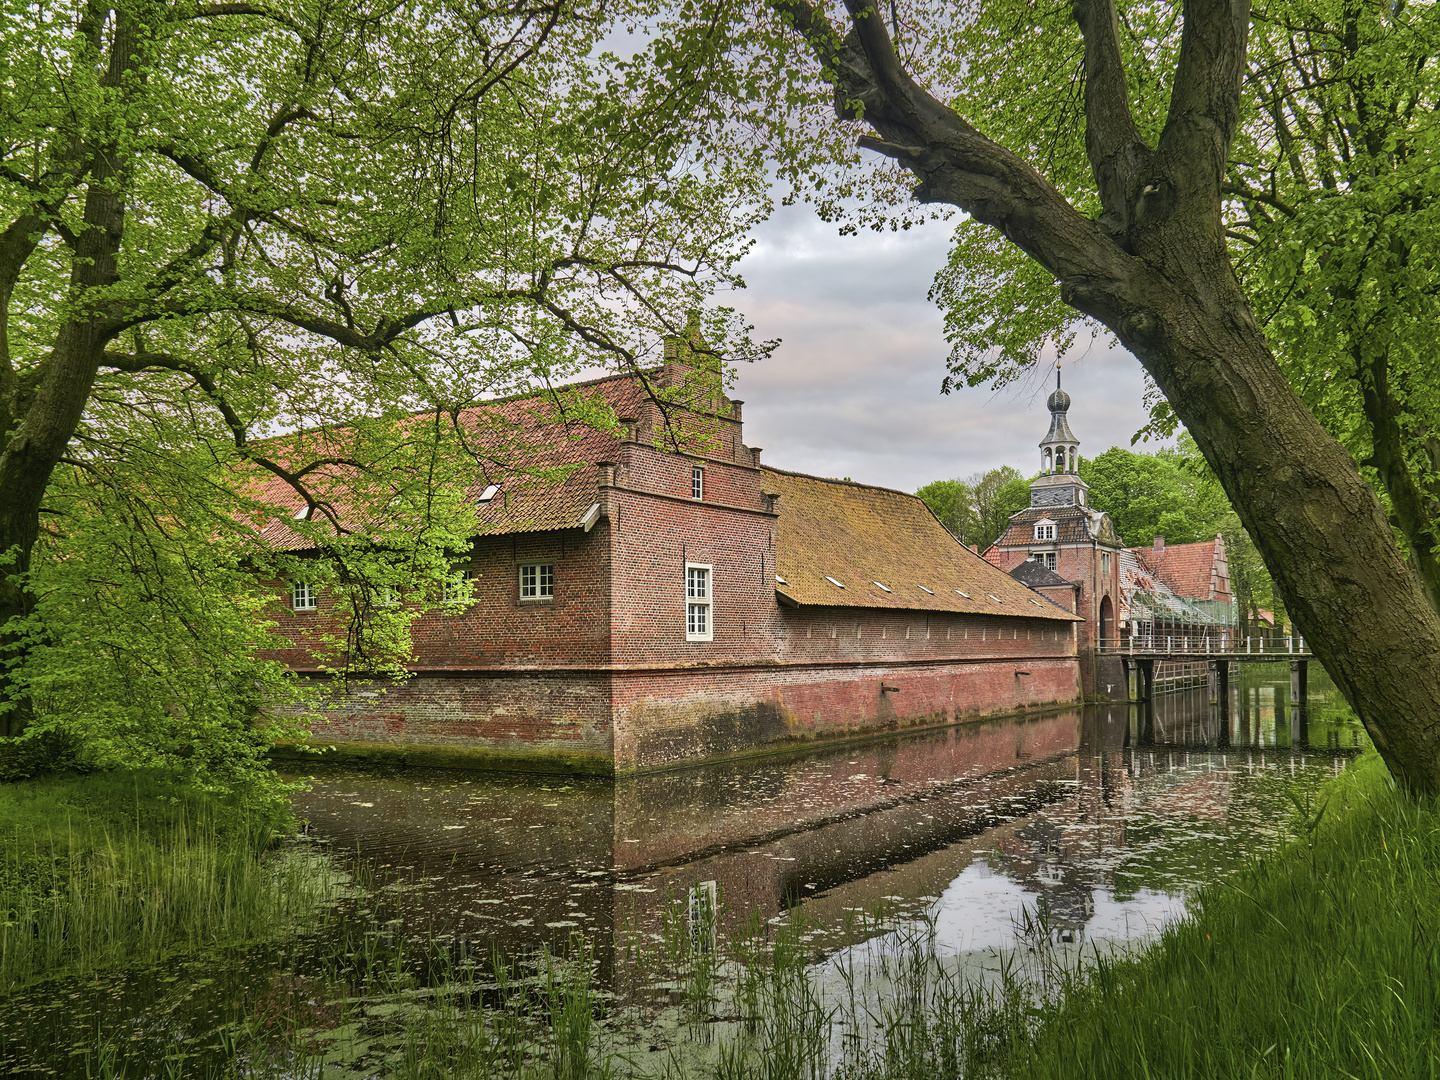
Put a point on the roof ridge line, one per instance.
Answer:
(840, 482)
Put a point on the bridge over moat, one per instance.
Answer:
(1141, 652)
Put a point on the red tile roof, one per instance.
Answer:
(859, 535)
(543, 462)
(1187, 568)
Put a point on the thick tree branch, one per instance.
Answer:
(1118, 155)
(955, 163)
(1205, 101)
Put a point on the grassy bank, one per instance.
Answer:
(104, 869)
(1321, 960)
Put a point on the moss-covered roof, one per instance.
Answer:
(843, 544)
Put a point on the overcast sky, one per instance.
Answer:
(854, 390)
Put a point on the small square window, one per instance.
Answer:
(1044, 558)
(302, 596)
(697, 482)
(699, 600)
(1045, 531)
(537, 581)
(459, 587)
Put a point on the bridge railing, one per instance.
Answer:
(1177, 642)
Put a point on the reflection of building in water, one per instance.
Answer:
(1051, 801)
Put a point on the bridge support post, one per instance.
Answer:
(1299, 682)
(1147, 680)
(1222, 673)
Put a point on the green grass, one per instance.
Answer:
(1319, 960)
(100, 870)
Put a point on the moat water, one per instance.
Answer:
(1091, 825)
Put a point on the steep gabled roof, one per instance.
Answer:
(514, 440)
(1188, 569)
(859, 535)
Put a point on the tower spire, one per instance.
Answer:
(1059, 483)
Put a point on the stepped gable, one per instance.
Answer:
(528, 433)
(859, 535)
(1188, 569)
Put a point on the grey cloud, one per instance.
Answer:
(854, 389)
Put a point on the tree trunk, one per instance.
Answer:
(1155, 269)
(47, 416)
(1317, 523)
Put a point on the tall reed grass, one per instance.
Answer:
(102, 870)
(1320, 958)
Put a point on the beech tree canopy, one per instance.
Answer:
(223, 221)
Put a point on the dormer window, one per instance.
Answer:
(1045, 529)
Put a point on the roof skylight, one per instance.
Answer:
(930, 591)
(832, 581)
(303, 514)
(965, 594)
(885, 587)
(995, 598)
(780, 580)
(491, 490)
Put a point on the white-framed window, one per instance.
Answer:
(459, 586)
(697, 482)
(1105, 564)
(302, 596)
(1044, 558)
(699, 603)
(537, 581)
(1044, 530)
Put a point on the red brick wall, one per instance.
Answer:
(606, 666)
(1081, 564)
(557, 713)
(663, 717)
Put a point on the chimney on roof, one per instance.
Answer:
(1158, 544)
(628, 427)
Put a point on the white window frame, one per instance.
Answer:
(699, 610)
(303, 596)
(1045, 531)
(464, 594)
(1047, 559)
(542, 586)
(697, 482)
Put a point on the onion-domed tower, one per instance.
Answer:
(1061, 547)
(1059, 483)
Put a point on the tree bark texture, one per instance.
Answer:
(1155, 269)
(42, 414)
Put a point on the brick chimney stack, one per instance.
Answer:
(1158, 544)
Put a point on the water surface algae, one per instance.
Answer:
(1318, 958)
